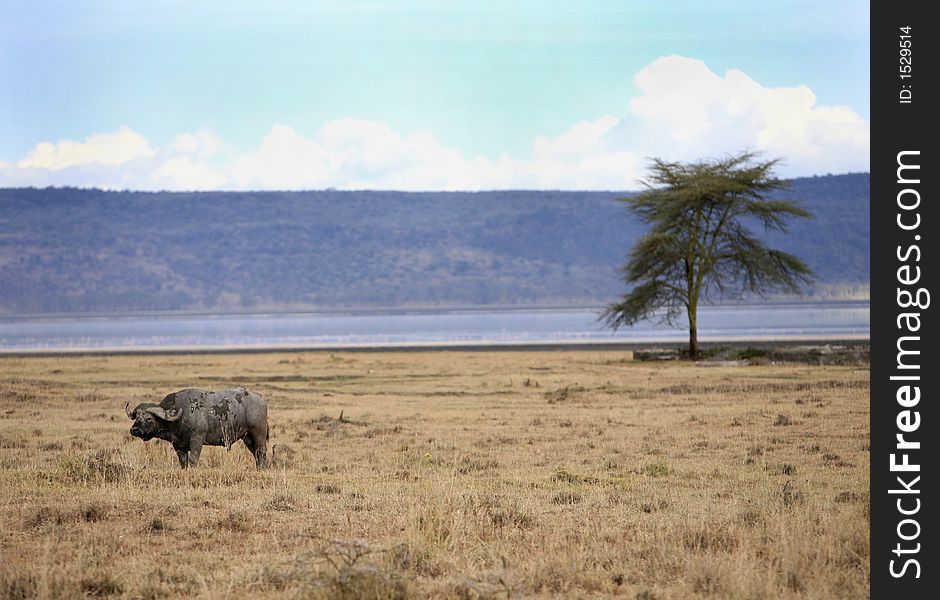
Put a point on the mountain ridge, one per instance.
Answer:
(69, 250)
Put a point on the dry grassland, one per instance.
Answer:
(574, 474)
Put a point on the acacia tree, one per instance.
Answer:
(699, 246)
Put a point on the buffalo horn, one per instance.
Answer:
(160, 413)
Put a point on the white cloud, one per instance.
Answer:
(587, 137)
(684, 111)
(356, 154)
(285, 160)
(203, 143)
(113, 149)
(182, 173)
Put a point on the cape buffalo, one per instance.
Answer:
(188, 419)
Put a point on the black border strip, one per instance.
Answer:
(901, 122)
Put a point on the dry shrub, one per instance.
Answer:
(18, 586)
(418, 560)
(157, 525)
(92, 513)
(853, 550)
(781, 469)
(710, 538)
(100, 586)
(235, 521)
(90, 397)
(334, 426)
(97, 467)
(24, 582)
(617, 497)
(92, 577)
(43, 516)
(340, 570)
(501, 512)
(566, 497)
(203, 478)
(436, 524)
(46, 515)
(282, 502)
(651, 506)
(851, 497)
(568, 477)
(271, 578)
(382, 431)
(357, 502)
(169, 583)
(707, 584)
(656, 469)
(564, 394)
(789, 496)
(365, 581)
(467, 464)
(11, 444)
(491, 585)
(834, 460)
(512, 516)
(283, 456)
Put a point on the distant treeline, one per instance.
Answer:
(72, 250)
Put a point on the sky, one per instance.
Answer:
(423, 95)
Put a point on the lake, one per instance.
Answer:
(830, 320)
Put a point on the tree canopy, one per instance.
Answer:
(699, 245)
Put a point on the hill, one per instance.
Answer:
(72, 250)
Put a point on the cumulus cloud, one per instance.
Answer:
(183, 173)
(285, 160)
(585, 138)
(112, 149)
(357, 154)
(684, 111)
(202, 143)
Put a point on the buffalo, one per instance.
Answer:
(191, 418)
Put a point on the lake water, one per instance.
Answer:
(844, 320)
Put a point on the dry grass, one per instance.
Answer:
(450, 475)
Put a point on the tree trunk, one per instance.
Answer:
(693, 334)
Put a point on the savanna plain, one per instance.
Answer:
(444, 474)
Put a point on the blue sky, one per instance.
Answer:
(393, 94)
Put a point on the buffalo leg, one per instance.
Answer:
(257, 445)
(183, 457)
(250, 444)
(195, 449)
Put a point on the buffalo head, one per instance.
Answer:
(150, 419)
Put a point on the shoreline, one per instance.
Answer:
(553, 346)
(416, 310)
